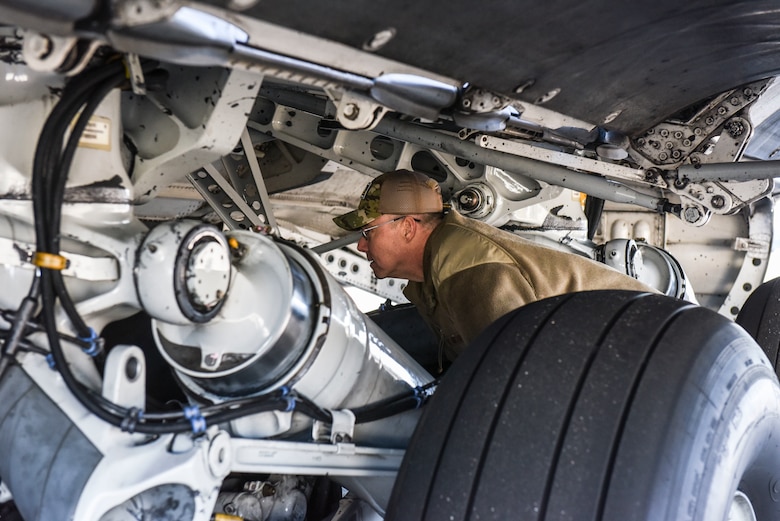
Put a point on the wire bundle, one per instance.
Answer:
(54, 154)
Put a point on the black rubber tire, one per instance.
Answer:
(760, 316)
(604, 405)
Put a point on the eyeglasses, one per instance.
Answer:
(364, 231)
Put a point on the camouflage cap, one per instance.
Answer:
(402, 192)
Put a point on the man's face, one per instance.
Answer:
(382, 244)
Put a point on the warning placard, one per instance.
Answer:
(97, 133)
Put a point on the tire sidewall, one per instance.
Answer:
(724, 432)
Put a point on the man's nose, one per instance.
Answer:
(362, 244)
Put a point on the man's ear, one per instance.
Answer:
(410, 229)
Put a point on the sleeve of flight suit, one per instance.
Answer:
(474, 298)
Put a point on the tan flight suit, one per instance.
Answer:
(475, 273)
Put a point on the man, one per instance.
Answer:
(463, 274)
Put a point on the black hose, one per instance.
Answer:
(411, 399)
(51, 167)
(57, 195)
(49, 147)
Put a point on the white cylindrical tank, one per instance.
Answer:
(283, 322)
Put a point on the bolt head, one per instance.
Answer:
(691, 215)
(351, 111)
(39, 45)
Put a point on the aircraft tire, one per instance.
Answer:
(760, 316)
(606, 405)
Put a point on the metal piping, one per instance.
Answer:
(747, 171)
(279, 66)
(555, 175)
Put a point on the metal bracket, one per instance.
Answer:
(125, 376)
(261, 193)
(340, 430)
(670, 143)
(357, 112)
(223, 199)
(235, 207)
(47, 53)
(137, 79)
(757, 247)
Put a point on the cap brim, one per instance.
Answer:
(353, 221)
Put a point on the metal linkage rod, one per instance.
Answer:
(743, 171)
(590, 184)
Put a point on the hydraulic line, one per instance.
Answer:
(51, 167)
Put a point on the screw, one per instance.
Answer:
(680, 183)
(718, 201)
(691, 215)
(351, 111)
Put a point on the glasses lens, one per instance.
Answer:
(364, 232)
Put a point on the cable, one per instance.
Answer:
(52, 164)
(57, 195)
(412, 399)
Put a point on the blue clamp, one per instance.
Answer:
(50, 361)
(198, 422)
(94, 346)
(286, 395)
(423, 392)
(419, 395)
(131, 419)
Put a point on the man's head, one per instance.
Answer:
(401, 192)
(396, 214)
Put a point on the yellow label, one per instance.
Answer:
(97, 134)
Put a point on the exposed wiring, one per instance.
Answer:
(53, 157)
